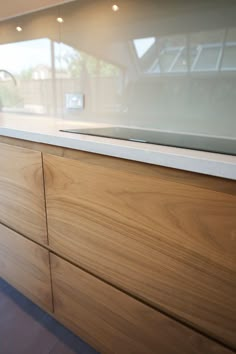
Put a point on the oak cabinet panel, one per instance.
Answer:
(25, 265)
(170, 244)
(114, 322)
(22, 202)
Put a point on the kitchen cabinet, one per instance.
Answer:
(115, 322)
(25, 265)
(22, 206)
(139, 258)
(167, 241)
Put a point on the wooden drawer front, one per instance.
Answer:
(22, 204)
(114, 322)
(169, 243)
(25, 265)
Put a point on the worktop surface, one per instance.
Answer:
(47, 130)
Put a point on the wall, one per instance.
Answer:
(12, 8)
(165, 65)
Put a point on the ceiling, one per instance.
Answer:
(12, 8)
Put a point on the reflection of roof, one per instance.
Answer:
(158, 56)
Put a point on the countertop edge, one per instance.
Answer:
(212, 164)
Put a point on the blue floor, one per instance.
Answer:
(25, 328)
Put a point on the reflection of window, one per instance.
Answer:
(161, 55)
(229, 57)
(170, 60)
(21, 58)
(213, 51)
(180, 64)
(142, 45)
(207, 58)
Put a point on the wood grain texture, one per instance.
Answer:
(114, 322)
(25, 265)
(172, 245)
(168, 174)
(22, 203)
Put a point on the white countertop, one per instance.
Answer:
(46, 130)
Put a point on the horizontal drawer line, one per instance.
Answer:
(134, 296)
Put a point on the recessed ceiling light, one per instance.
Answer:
(115, 8)
(60, 20)
(19, 29)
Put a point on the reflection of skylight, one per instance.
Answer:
(142, 45)
(229, 58)
(208, 58)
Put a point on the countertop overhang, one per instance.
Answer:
(47, 131)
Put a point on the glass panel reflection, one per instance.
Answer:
(169, 66)
(31, 56)
(203, 56)
(143, 45)
(151, 65)
(33, 63)
(207, 58)
(229, 57)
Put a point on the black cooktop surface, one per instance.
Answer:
(187, 141)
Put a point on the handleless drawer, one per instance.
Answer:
(166, 240)
(114, 322)
(22, 203)
(25, 265)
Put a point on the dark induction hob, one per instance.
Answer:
(196, 142)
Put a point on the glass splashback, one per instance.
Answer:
(29, 52)
(166, 65)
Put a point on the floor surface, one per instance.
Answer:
(26, 329)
